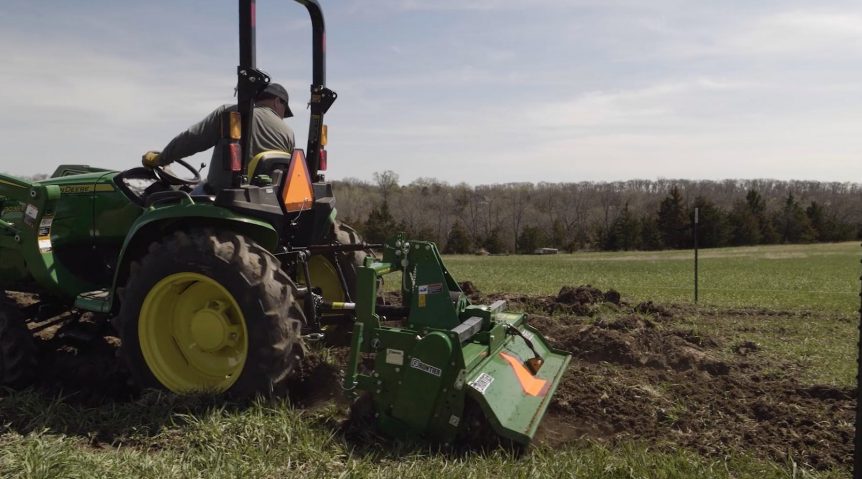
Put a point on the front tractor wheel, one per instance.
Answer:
(17, 351)
(210, 311)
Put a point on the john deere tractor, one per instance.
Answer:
(220, 292)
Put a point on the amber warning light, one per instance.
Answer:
(324, 139)
(297, 194)
(234, 126)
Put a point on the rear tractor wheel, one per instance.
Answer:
(211, 312)
(324, 275)
(17, 350)
(323, 269)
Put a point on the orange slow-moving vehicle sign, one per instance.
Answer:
(297, 194)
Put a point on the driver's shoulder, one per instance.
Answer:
(223, 108)
(215, 116)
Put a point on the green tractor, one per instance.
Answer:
(220, 292)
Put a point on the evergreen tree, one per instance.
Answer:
(755, 203)
(672, 221)
(712, 228)
(792, 224)
(757, 207)
(817, 218)
(530, 239)
(650, 234)
(380, 224)
(768, 233)
(625, 232)
(744, 226)
(494, 242)
(458, 241)
(826, 225)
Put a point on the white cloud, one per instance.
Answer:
(801, 32)
(485, 91)
(791, 34)
(662, 105)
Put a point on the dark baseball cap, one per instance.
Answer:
(278, 91)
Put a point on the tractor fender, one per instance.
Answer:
(158, 222)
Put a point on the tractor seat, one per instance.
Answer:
(265, 163)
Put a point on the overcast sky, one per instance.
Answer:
(483, 91)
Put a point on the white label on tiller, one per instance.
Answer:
(32, 212)
(416, 363)
(395, 356)
(44, 244)
(481, 383)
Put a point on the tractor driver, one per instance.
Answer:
(270, 133)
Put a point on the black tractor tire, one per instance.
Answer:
(17, 350)
(252, 275)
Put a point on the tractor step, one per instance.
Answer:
(98, 301)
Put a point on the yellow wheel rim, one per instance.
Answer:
(325, 277)
(193, 334)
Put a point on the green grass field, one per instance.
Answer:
(163, 437)
(819, 277)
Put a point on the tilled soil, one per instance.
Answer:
(656, 385)
(634, 376)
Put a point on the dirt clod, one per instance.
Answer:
(650, 308)
(469, 288)
(580, 295)
(612, 296)
(746, 347)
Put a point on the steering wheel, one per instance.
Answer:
(166, 176)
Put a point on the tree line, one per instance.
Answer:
(622, 215)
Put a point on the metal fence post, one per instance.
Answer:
(695, 254)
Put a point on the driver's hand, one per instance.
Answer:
(150, 159)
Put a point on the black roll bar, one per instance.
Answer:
(250, 81)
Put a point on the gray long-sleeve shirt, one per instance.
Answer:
(270, 133)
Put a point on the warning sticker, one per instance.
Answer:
(423, 292)
(45, 233)
(416, 363)
(44, 244)
(30, 214)
(482, 383)
(395, 356)
(45, 225)
(435, 288)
